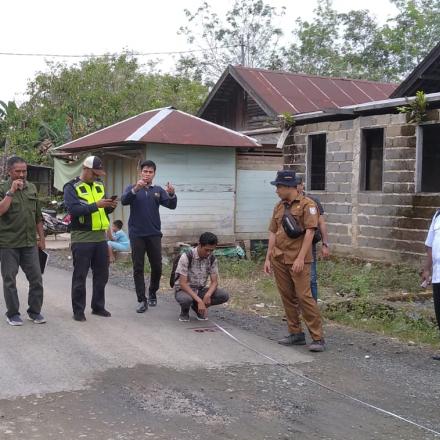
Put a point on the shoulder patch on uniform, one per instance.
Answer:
(312, 210)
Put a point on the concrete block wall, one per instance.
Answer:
(388, 225)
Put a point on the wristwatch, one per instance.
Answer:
(9, 194)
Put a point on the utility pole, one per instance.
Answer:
(242, 50)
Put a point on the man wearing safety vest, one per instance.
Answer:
(89, 207)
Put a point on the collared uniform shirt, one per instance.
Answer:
(433, 241)
(18, 223)
(317, 202)
(286, 248)
(198, 272)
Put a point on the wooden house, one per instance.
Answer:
(200, 158)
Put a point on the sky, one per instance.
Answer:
(111, 26)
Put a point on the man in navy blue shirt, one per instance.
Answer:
(144, 231)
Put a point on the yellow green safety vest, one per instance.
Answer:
(91, 194)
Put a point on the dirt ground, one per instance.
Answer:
(247, 401)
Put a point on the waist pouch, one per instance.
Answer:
(290, 224)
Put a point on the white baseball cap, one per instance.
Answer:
(95, 164)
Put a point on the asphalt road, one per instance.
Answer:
(148, 376)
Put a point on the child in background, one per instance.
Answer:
(118, 240)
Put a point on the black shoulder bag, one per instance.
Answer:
(290, 224)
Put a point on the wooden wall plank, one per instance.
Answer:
(204, 178)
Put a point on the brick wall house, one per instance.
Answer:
(376, 177)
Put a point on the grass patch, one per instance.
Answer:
(366, 315)
(368, 283)
(241, 269)
(356, 277)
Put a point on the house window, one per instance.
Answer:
(430, 158)
(372, 159)
(316, 161)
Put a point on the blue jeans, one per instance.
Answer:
(314, 275)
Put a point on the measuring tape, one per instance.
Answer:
(347, 396)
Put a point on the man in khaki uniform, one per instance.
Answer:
(290, 260)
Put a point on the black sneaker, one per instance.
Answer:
(199, 316)
(293, 339)
(142, 307)
(37, 318)
(184, 317)
(317, 346)
(104, 313)
(152, 301)
(14, 320)
(80, 317)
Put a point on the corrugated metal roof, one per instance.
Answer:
(277, 92)
(161, 126)
(300, 93)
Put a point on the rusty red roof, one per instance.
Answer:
(161, 126)
(277, 92)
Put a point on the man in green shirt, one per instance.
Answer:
(89, 206)
(20, 221)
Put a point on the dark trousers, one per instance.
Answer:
(436, 295)
(27, 259)
(86, 256)
(220, 296)
(152, 246)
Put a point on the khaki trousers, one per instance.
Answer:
(297, 298)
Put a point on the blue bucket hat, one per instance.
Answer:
(286, 178)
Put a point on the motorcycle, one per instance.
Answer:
(52, 225)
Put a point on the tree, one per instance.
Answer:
(68, 102)
(317, 47)
(412, 33)
(339, 44)
(354, 45)
(246, 36)
(18, 132)
(101, 91)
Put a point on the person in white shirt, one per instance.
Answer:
(431, 271)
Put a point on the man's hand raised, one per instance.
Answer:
(139, 185)
(17, 185)
(169, 188)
